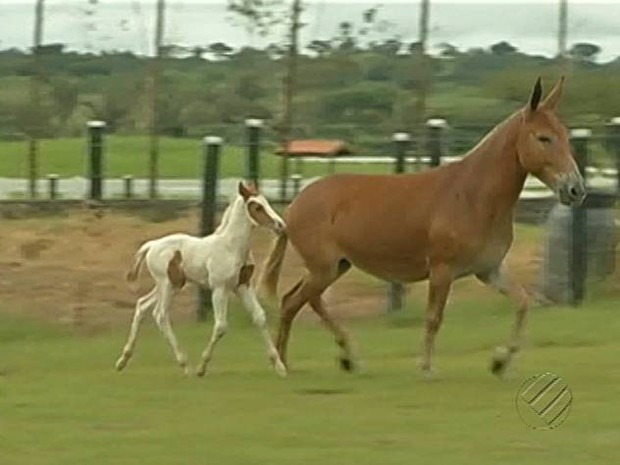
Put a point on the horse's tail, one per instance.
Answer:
(134, 271)
(268, 282)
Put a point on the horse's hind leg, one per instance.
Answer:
(162, 319)
(142, 306)
(308, 289)
(500, 280)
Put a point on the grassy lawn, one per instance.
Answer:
(180, 158)
(62, 403)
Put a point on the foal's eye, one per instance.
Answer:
(544, 139)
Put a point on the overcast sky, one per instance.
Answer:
(531, 25)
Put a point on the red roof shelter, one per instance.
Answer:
(315, 148)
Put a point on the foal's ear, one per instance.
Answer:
(244, 191)
(252, 188)
(554, 97)
(536, 95)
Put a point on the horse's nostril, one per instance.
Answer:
(574, 192)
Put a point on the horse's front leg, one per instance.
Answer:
(440, 282)
(220, 297)
(500, 280)
(254, 308)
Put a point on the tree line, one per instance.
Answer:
(344, 83)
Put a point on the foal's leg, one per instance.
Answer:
(346, 356)
(162, 319)
(499, 279)
(220, 308)
(142, 306)
(251, 304)
(440, 281)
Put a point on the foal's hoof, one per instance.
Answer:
(346, 364)
(280, 369)
(500, 361)
(121, 363)
(182, 361)
(200, 371)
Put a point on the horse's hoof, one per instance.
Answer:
(498, 367)
(427, 373)
(200, 372)
(500, 361)
(346, 364)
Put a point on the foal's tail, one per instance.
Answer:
(133, 273)
(268, 282)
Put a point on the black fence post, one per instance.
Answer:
(296, 178)
(401, 140)
(128, 186)
(435, 134)
(212, 149)
(254, 127)
(578, 237)
(614, 136)
(396, 291)
(52, 180)
(95, 152)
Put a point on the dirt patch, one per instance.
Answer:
(71, 269)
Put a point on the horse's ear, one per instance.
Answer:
(554, 97)
(536, 95)
(244, 191)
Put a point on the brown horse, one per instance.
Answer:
(440, 225)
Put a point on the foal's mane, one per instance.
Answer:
(226, 216)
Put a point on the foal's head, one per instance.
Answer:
(258, 209)
(544, 148)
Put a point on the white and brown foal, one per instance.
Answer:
(220, 262)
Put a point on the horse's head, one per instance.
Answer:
(258, 209)
(544, 149)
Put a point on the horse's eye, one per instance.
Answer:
(544, 139)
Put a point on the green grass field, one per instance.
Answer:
(62, 403)
(180, 158)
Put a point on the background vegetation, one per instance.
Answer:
(349, 87)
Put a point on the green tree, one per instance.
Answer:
(503, 48)
(220, 50)
(584, 51)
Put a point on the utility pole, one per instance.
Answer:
(153, 87)
(35, 99)
(290, 82)
(424, 69)
(562, 28)
(563, 63)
